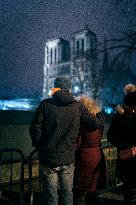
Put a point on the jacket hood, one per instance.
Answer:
(63, 97)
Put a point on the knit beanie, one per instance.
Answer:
(63, 83)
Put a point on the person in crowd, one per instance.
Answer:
(54, 130)
(90, 166)
(122, 134)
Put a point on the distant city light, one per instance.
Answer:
(76, 88)
(17, 104)
(49, 93)
(108, 110)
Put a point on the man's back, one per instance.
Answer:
(61, 121)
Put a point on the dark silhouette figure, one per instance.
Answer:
(122, 134)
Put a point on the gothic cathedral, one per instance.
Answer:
(71, 59)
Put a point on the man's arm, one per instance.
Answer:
(36, 126)
(91, 121)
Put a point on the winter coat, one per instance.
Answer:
(90, 166)
(122, 134)
(55, 127)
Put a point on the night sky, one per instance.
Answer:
(25, 26)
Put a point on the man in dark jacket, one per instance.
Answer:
(54, 130)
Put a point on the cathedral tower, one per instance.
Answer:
(83, 60)
(57, 55)
(75, 61)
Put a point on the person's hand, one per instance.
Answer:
(134, 151)
(127, 153)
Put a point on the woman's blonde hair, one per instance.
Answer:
(90, 104)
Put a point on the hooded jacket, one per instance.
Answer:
(122, 130)
(55, 128)
(122, 134)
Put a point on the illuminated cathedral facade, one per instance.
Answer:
(70, 59)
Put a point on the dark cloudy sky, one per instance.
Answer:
(25, 25)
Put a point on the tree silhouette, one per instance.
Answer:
(116, 69)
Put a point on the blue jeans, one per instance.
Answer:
(57, 185)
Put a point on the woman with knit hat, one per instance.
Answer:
(122, 134)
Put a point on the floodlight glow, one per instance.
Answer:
(76, 88)
(108, 110)
(16, 104)
(49, 93)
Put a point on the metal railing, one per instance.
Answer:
(11, 156)
(33, 156)
(110, 153)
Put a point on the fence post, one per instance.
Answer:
(19, 152)
(30, 175)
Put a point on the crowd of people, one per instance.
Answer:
(67, 133)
